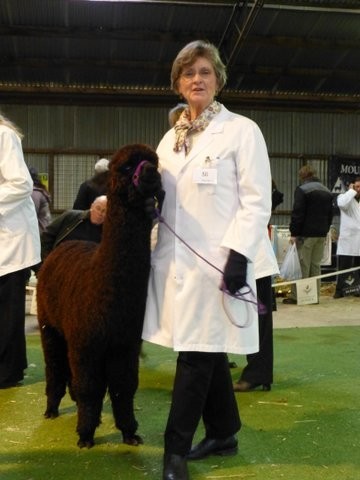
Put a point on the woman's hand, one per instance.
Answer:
(235, 272)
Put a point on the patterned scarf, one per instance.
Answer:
(185, 127)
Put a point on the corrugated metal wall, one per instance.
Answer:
(65, 141)
(90, 128)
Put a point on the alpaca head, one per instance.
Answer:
(134, 175)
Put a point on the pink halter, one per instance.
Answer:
(135, 177)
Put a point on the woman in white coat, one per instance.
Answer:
(19, 250)
(348, 245)
(216, 176)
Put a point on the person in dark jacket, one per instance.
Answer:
(75, 225)
(41, 199)
(258, 371)
(93, 187)
(310, 222)
(277, 197)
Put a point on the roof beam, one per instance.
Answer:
(82, 95)
(238, 29)
(78, 63)
(136, 35)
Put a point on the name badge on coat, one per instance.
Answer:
(206, 174)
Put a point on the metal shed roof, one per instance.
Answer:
(284, 54)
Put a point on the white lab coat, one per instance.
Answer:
(265, 263)
(19, 230)
(184, 305)
(349, 236)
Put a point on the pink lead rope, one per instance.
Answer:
(238, 295)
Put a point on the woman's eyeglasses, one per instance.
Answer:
(189, 74)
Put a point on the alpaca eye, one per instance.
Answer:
(126, 169)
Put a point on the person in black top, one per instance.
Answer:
(41, 199)
(93, 187)
(258, 371)
(75, 225)
(311, 219)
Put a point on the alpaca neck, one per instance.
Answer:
(126, 235)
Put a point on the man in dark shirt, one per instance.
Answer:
(75, 225)
(310, 222)
(93, 187)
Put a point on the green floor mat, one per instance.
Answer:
(306, 428)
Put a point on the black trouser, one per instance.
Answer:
(259, 368)
(12, 327)
(344, 262)
(202, 388)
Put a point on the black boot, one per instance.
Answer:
(214, 446)
(175, 467)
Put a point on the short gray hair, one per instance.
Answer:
(188, 55)
(102, 165)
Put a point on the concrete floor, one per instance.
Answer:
(328, 312)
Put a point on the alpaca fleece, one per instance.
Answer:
(91, 302)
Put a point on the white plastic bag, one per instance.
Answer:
(290, 268)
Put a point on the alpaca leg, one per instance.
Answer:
(56, 369)
(89, 386)
(89, 414)
(123, 371)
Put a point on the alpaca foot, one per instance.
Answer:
(134, 440)
(85, 442)
(51, 413)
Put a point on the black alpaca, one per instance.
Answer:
(91, 302)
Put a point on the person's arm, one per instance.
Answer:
(44, 214)
(50, 235)
(253, 178)
(16, 183)
(277, 198)
(298, 213)
(331, 213)
(37, 197)
(344, 199)
(254, 207)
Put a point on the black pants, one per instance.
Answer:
(202, 388)
(12, 327)
(259, 368)
(344, 262)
